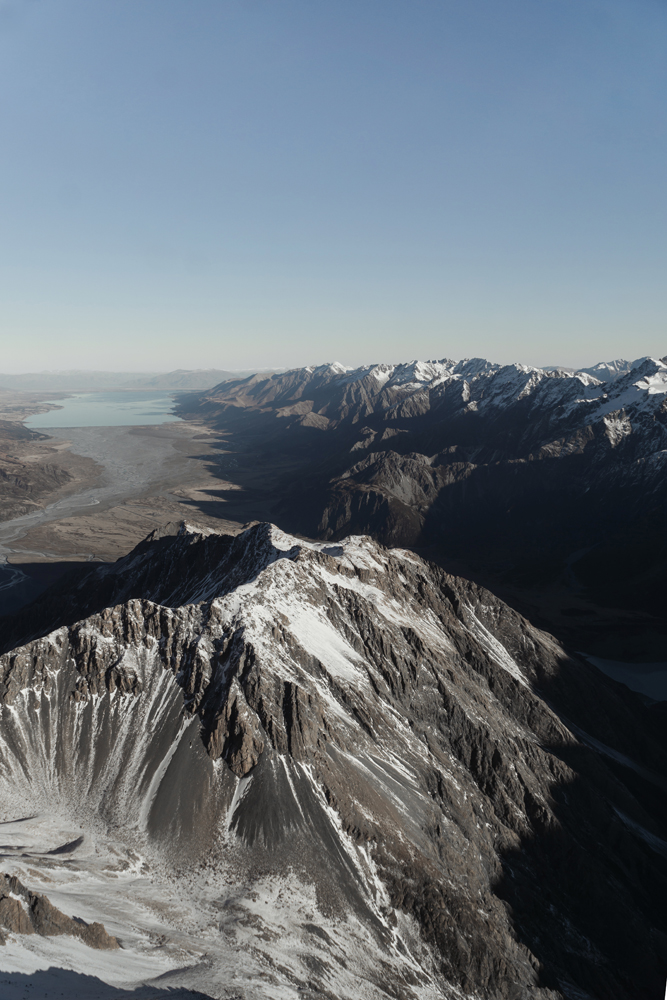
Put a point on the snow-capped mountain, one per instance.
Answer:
(608, 371)
(501, 467)
(509, 411)
(340, 395)
(365, 777)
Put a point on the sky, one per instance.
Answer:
(240, 183)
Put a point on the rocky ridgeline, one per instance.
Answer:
(358, 720)
(507, 470)
(331, 396)
(26, 912)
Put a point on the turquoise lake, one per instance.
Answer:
(107, 409)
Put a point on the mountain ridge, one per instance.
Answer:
(398, 738)
(509, 471)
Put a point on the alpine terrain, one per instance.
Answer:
(520, 477)
(272, 768)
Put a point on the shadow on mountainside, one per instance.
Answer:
(586, 889)
(556, 888)
(578, 826)
(54, 983)
(37, 578)
(533, 532)
(583, 856)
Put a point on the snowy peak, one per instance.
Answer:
(607, 371)
(647, 372)
(330, 368)
(401, 451)
(472, 366)
(330, 396)
(345, 737)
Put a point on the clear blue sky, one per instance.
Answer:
(227, 183)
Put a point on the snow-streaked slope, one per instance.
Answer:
(491, 465)
(609, 371)
(536, 406)
(321, 767)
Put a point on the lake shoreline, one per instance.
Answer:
(108, 408)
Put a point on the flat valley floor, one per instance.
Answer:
(128, 481)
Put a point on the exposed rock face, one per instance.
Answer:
(358, 720)
(509, 468)
(26, 912)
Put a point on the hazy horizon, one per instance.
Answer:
(268, 368)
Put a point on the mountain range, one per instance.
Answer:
(512, 474)
(309, 759)
(76, 380)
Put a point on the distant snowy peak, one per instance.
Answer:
(473, 366)
(329, 396)
(635, 388)
(654, 383)
(608, 371)
(376, 377)
(329, 368)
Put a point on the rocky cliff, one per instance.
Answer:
(463, 809)
(26, 912)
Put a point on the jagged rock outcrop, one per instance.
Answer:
(354, 719)
(26, 912)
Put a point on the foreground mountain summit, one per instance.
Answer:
(348, 774)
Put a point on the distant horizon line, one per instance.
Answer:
(284, 368)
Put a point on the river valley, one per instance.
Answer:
(130, 479)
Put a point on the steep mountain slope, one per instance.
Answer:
(376, 779)
(510, 469)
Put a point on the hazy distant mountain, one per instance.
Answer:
(81, 380)
(609, 371)
(197, 378)
(68, 380)
(605, 371)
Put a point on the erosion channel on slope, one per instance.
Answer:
(287, 768)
